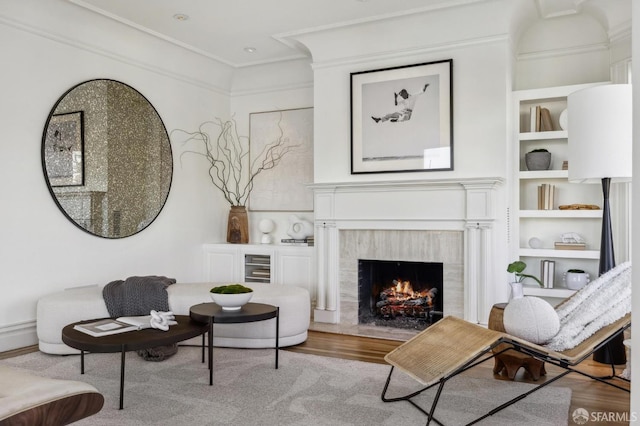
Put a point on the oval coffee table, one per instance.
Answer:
(131, 340)
(210, 313)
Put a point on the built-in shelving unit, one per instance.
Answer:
(257, 268)
(260, 263)
(547, 226)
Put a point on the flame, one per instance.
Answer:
(403, 290)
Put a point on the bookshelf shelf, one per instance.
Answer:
(547, 292)
(561, 214)
(538, 194)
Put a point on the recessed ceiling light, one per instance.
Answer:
(250, 49)
(181, 17)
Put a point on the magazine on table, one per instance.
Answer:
(108, 326)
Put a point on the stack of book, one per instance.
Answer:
(547, 273)
(540, 119)
(569, 246)
(546, 196)
(298, 241)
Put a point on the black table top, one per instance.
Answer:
(133, 340)
(249, 312)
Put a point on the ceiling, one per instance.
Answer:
(224, 29)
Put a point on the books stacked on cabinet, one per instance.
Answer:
(547, 272)
(546, 196)
(298, 241)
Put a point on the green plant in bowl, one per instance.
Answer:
(231, 297)
(231, 289)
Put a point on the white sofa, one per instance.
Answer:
(56, 310)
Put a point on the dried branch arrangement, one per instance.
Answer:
(228, 157)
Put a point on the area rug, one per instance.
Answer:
(305, 390)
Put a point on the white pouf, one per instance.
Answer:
(532, 319)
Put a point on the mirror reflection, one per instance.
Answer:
(107, 158)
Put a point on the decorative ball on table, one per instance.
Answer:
(231, 297)
(266, 226)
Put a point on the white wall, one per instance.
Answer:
(271, 87)
(46, 48)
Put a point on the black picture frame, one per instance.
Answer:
(64, 149)
(402, 119)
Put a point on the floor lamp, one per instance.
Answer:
(599, 150)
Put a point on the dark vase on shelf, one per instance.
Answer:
(537, 160)
(238, 225)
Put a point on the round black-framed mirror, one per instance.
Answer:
(106, 158)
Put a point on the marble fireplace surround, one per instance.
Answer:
(450, 221)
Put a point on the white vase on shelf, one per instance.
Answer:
(516, 290)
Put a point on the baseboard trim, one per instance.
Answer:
(18, 335)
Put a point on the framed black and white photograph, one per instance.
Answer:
(402, 119)
(284, 187)
(64, 149)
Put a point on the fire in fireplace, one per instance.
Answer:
(399, 294)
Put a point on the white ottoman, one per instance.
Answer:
(56, 310)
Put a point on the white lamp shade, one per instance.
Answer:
(600, 134)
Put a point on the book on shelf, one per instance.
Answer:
(298, 241)
(261, 272)
(540, 120)
(105, 327)
(547, 273)
(569, 246)
(546, 196)
(545, 120)
(535, 118)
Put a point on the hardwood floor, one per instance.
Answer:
(597, 398)
(586, 393)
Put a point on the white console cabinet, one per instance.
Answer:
(275, 264)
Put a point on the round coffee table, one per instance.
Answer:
(210, 313)
(131, 340)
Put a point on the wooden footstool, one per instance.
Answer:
(511, 361)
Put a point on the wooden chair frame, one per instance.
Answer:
(454, 346)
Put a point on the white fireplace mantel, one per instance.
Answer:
(467, 205)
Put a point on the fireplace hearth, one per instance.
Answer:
(399, 294)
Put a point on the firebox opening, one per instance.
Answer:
(399, 294)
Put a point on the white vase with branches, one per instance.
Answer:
(230, 168)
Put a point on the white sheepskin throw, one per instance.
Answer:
(601, 302)
(531, 318)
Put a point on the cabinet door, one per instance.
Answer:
(295, 267)
(221, 266)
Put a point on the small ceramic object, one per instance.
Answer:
(576, 280)
(266, 226)
(535, 243)
(563, 119)
(299, 228)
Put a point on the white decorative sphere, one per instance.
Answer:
(535, 243)
(532, 319)
(266, 226)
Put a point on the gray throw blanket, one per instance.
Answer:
(138, 296)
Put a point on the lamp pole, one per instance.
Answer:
(614, 351)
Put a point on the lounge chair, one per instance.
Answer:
(454, 345)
